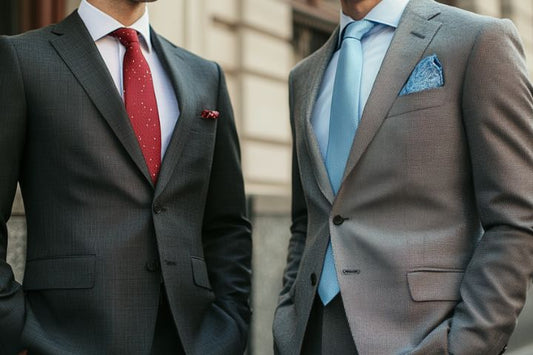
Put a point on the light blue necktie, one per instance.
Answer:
(344, 119)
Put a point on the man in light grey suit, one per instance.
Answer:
(127, 155)
(423, 243)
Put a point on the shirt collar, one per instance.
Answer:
(101, 24)
(386, 12)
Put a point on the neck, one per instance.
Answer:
(358, 9)
(124, 11)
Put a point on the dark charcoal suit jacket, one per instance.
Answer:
(101, 237)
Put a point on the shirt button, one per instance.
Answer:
(313, 279)
(338, 220)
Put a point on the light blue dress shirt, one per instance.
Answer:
(386, 15)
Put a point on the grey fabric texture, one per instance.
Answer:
(434, 254)
(101, 237)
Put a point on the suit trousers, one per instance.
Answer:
(166, 339)
(327, 330)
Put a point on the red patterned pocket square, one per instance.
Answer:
(210, 114)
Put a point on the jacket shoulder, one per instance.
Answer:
(460, 18)
(33, 36)
(478, 28)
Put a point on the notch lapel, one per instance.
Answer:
(180, 74)
(412, 37)
(309, 91)
(77, 49)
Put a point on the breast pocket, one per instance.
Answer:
(418, 101)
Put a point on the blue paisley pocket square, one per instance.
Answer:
(426, 75)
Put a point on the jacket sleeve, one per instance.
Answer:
(227, 232)
(12, 137)
(298, 216)
(498, 121)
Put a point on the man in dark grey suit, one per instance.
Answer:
(138, 241)
(412, 185)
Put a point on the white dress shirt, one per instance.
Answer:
(386, 14)
(100, 25)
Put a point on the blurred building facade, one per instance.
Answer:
(257, 42)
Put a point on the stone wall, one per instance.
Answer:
(16, 244)
(271, 221)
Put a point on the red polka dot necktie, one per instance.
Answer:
(140, 100)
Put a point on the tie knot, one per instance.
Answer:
(357, 29)
(126, 36)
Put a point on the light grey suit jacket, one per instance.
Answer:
(435, 252)
(101, 237)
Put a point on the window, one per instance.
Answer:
(313, 23)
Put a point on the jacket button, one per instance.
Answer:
(152, 266)
(338, 220)
(158, 209)
(313, 279)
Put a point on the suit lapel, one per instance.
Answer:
(309, 89)
(412, 37)
(77, 49)
(180, 75)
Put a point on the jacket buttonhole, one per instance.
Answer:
(351, 271)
